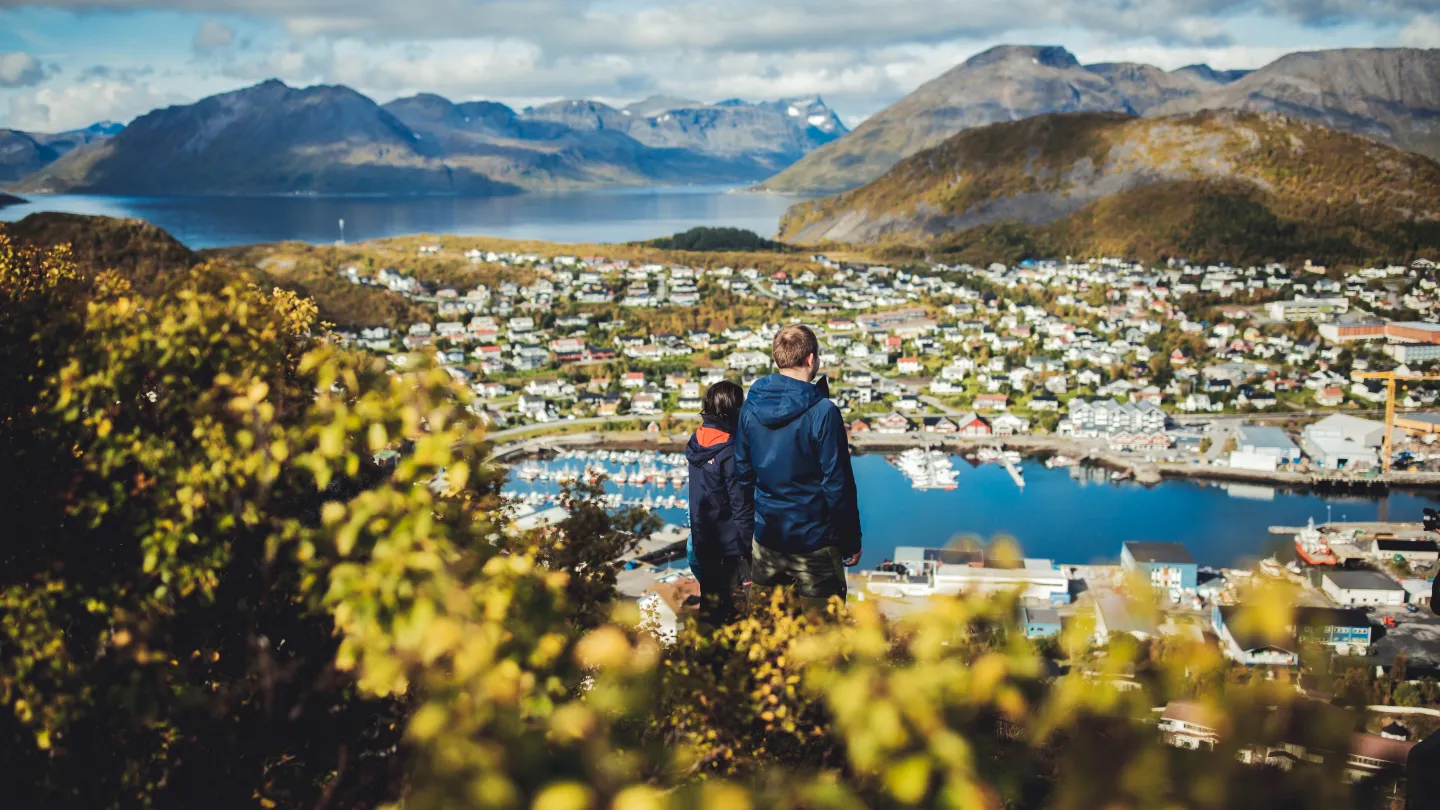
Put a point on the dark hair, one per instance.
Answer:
(792, 345)
(722, 401)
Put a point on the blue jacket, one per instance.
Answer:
(722, 512)
(794, 450)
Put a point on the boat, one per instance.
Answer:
(1270, 567)
(1060, 461)
(1312, 547)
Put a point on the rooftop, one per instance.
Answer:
(1159, 553)
(1362, 581)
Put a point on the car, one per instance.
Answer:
(1412, 609)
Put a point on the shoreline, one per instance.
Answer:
(1143, 472)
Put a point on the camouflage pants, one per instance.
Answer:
(816, 575)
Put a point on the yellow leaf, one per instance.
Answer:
(564, 796)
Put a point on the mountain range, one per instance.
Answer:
(1392, 95)
(272, 138)
(1213, 186)
(23, 153)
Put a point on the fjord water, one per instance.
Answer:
(607, 215)
(1079, 517)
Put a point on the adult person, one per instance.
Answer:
(793, 449)
(722, 513)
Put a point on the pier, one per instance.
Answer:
(1010, 467)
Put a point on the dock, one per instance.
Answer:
(1014, 473)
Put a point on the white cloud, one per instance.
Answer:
(20, 70)
(51, 109)
(1423, 32)
(212, 37)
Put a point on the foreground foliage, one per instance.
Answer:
(209, 592)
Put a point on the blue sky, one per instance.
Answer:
(68, 63)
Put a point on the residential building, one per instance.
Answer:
(1040, 622)
(1244, 645)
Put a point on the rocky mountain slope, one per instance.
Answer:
(272, 138)
(23, 153)
(1005, 83)
(1218, 186)
(263, 139)
(1389, 94)
(1392, 94)
(764, 135)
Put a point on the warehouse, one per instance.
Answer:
(1353, 588)
(1262, 448)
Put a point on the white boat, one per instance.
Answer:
(1060, 461)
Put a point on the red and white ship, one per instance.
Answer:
(1311, 546)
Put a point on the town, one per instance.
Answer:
(1254, 373)
(1179, 366)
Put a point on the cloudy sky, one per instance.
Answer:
(68, 63)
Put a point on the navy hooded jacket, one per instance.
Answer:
(793, 448)
(722, 512)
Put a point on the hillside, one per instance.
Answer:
(139, 251)
(1217, 186)
(1005, 83)
(1392, 95)
(1389, 94)
(272, 138)
(264, 139)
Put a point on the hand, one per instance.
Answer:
(851, 561)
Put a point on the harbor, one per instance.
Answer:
(1069, 509)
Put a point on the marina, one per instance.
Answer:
(1077, 513)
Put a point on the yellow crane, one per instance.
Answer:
(1389, 377)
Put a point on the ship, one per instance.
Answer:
(1311, 546)
(927, 469)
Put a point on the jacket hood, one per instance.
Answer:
(701, 452)
(777, 400)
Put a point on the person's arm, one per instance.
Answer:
(744, 470)
(742, 506)
(838, 483)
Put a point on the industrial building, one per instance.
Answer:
(1263, 448)
(1167, 566)
(1353, 588)
(1408, 550)
(1340, 441)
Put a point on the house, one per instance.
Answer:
(908, 365)
(662, 605)
(1008, 424)
(891, 423)
(938, 424)
(859, 426)
(1362, 588)
(633, 379)
(1040, 622)
(1116, 615)
(1190, 724)
(1166, 566)
(1330, 396)
(1243, 644)
(972, 425)
(907, 402)
(991, 402)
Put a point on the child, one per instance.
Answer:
(722, 512)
